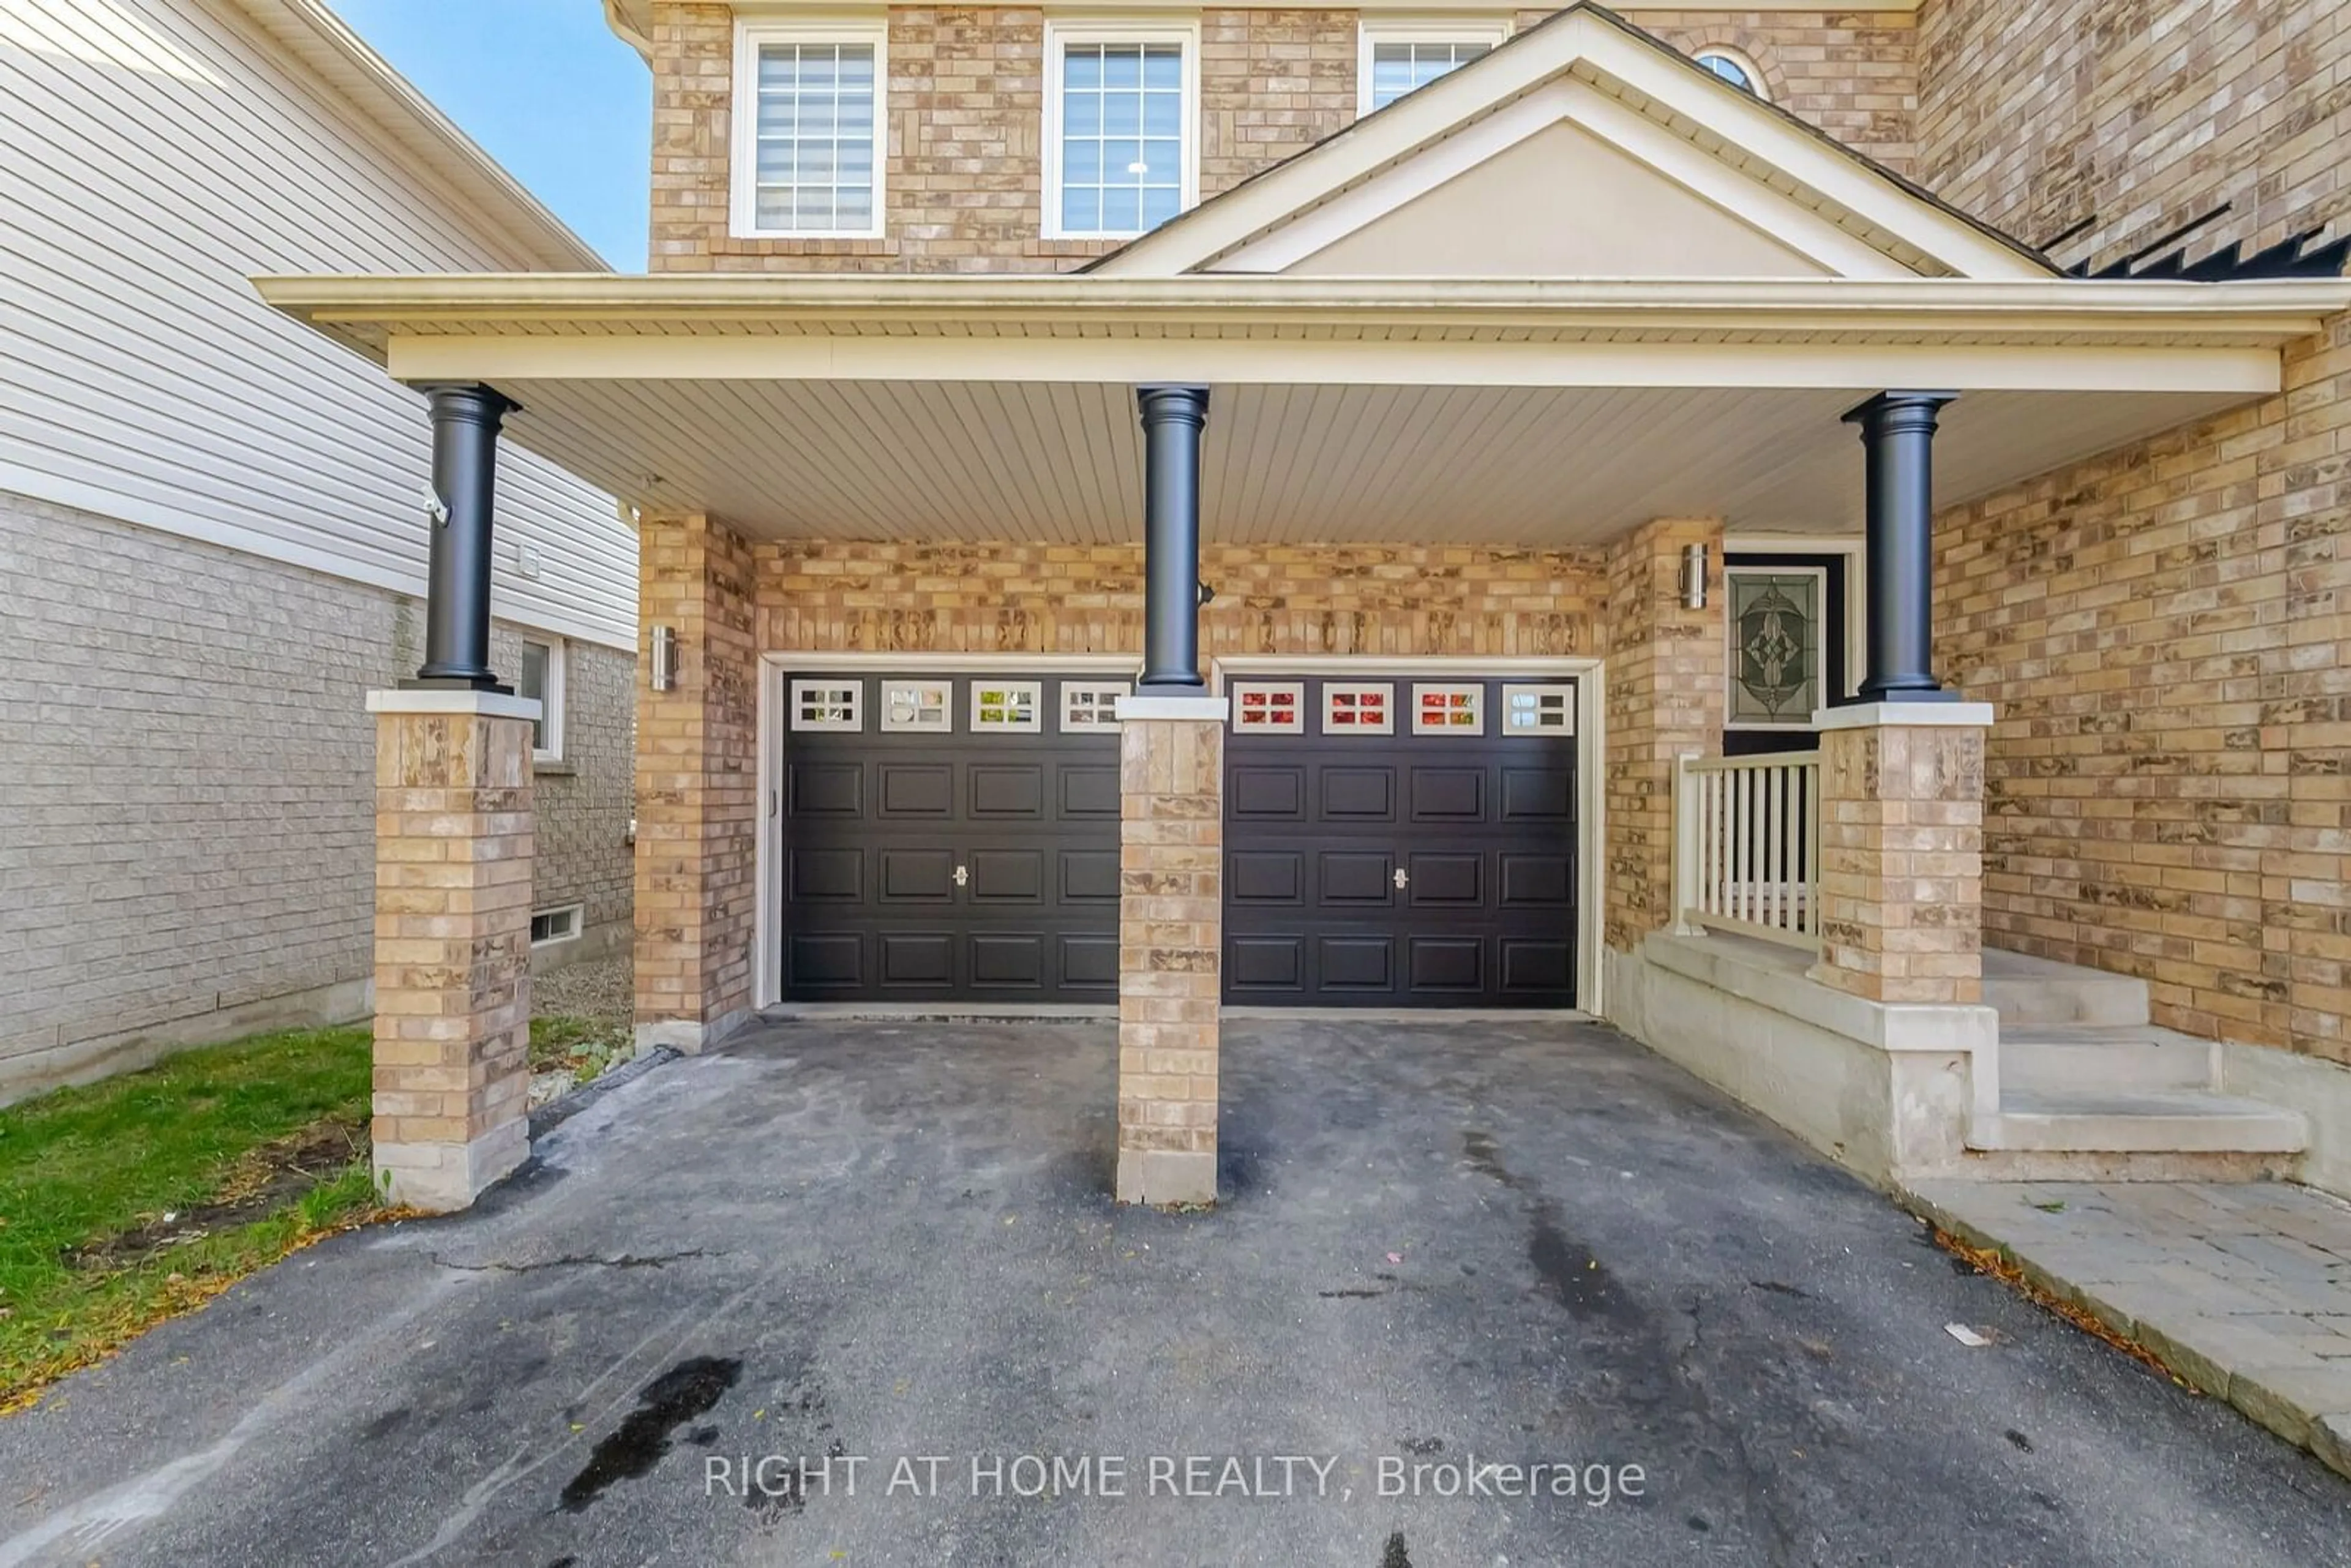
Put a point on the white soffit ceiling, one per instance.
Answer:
(1062, 462)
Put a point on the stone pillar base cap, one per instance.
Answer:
(452, 699)
(1931, 715)
(1144, 705)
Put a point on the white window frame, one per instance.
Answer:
(550, 702)
(1291, 717)
(1077, 722)
(1031, 719)
(578, 922)
(1490, 31)
(1059, 35)
(742, 163)
(941, 723)
(1564, 691)
(1476, 691)
(1744, 61)
(818, 691)
(1386, 691)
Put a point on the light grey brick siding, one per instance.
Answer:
(186, 785)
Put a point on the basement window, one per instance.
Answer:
(1121, 118)
(551, 925)
(809, 142)
(1394, 58)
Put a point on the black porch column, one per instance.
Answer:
(1898, 437)
(464, 471)
(1172, 418)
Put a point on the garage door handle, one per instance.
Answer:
(963, 876)
(1400, 878)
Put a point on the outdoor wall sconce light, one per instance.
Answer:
(664, 670)
(1693, 577)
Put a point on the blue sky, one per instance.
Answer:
(547, 88)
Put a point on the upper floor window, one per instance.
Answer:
(1397, 58)
(1733, 68)
(1121, 118)
(808, 140)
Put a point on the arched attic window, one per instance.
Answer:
(1733, 68)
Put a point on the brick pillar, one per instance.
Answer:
(1666, 668)
(453, 886)
(697, 785)
(1902, 851)
(1170, 946)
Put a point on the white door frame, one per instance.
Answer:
(776, 670)
(1590, 677)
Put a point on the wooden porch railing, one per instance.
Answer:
(1746, 845)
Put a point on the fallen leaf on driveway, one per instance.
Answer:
(1966, 1335)
(1396, 1257)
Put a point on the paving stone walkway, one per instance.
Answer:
(2242, 1291)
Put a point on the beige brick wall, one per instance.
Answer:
(697, 778)
(1667, 669)
(2160, 633)
(2036, 114)
(1272, 83)
(2159, 628)
(965, 112)
(185, 792)
(1052, 599)
(1851, 72)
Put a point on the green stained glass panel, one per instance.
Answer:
(1775, 647)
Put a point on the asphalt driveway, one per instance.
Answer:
(1445, 1251)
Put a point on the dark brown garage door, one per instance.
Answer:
(950, 838)
(1401, 842)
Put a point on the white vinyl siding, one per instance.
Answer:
(158, 158)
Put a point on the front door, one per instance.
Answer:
(1401, 842)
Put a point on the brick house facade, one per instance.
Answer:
(1522, 388)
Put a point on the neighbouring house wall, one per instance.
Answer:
(187, 792)
(2159, 628)
(583, 801)
(159, 154)
(965, 112)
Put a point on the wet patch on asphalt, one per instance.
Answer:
(685, 1391)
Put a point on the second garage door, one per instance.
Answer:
(1395, 842)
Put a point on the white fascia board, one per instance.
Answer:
(361, 304)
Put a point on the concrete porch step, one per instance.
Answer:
(2133, 1121)
(2029, 991)
(2065, 1057)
